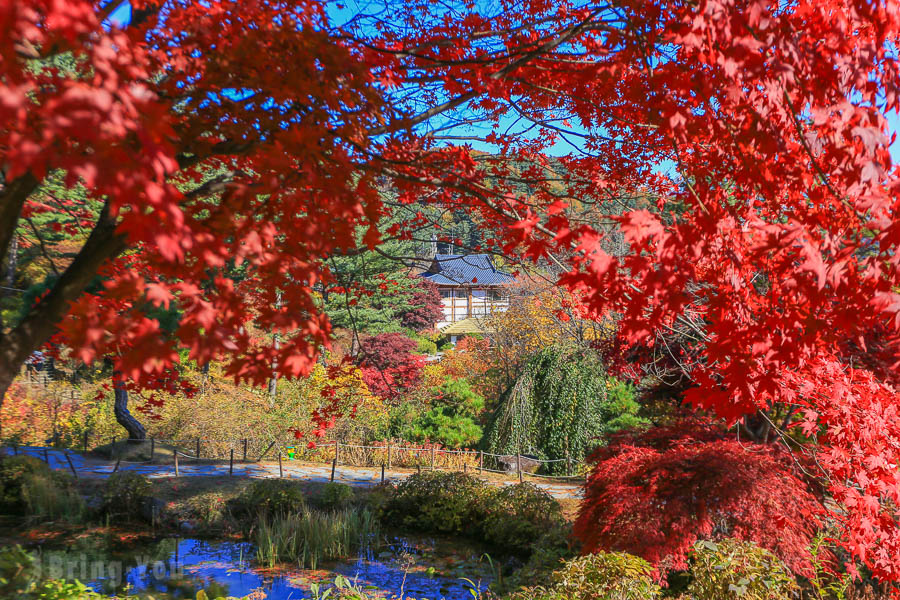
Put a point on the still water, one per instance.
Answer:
(178, 568)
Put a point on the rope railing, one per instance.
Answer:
(379, 454)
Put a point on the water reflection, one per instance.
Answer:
(400, 567)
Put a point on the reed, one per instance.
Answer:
(310, 536)
(50, 496)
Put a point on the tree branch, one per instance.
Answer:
(12, 198)
(42, 319)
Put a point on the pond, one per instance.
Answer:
(178, 568)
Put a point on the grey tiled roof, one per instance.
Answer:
(459, 269)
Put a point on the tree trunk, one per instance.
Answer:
(6, 379)
(124, 417)
(12, 262)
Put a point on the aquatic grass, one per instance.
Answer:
(51, 496)
(311, 536)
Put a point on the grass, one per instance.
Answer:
(48, 498)
(310, 537)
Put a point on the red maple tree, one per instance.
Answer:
(655, 494)
(389, 364)
(234, 145)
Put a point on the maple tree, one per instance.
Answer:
(253, 136)
(389, 364)
(654, 494)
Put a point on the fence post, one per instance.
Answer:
(71, 466)
(175, 453)
(197, 455)
(333, 466)
(231, 463)
(389, 456)
(382, 472)
(245, 449)
(519, 465)
(337, 451)
(568, 465)
(15, 449)
(480, 462)
(85, 439)
(46, 457)
(280, 470)
(432, 458)
(152, 448)
(118, 460)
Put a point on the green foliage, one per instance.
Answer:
(602, 576)
(52, 496)
(512, 518)
(271, 497)
(424, 345)
(55, 589)
(561, 404)
(606, 576)
(737, 569)
(309, 537)
(826, 583)
(14, 471)
(441, 425)
(20, 580)
(335, 495)
(436, 502)
(124, 493)
(451, 421)
(29, 487)
(517, 515)
(17, 571)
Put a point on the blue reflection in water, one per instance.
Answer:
(418, 570)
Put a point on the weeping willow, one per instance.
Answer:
(563, 404)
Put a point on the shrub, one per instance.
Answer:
(271, 496)
(601, 576)
(29, 487)
(436, 502)
(736, 569)
(655, 494)
(518, 515)
(512, 518)
(336, 495)
(425, 346)
(442, 426)
(13, 473)
(125, 492)
(606, 576)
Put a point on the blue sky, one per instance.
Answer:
(123, 14)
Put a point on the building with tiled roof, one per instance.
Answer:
(470, 286)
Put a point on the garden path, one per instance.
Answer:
(355, 476)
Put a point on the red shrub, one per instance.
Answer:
(656, 494)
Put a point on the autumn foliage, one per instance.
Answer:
(389, 364)
(655, 494)
(232, 148)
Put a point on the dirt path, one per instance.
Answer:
(356, 476)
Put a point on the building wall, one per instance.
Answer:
(462, 302)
